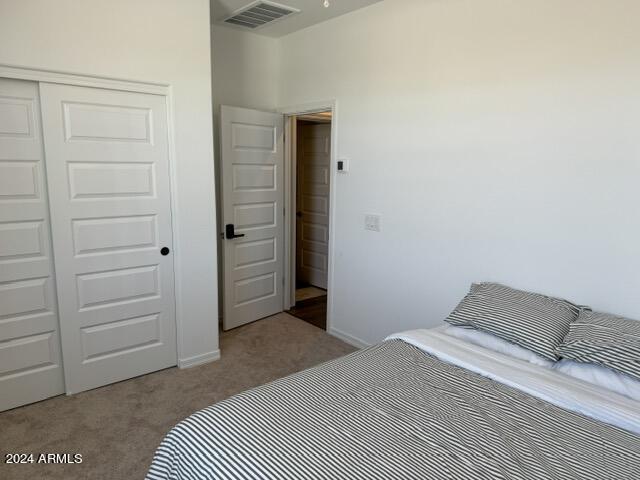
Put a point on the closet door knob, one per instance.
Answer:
(164, 251)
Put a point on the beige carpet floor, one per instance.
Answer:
(118, 427)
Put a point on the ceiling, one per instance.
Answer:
(311, 12)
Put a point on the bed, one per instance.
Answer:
(420, 405)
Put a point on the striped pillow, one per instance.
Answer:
(533, 321)
(606, 340)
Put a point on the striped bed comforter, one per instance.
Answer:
(393, 412)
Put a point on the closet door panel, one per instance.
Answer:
(108, 172)
(30, 359)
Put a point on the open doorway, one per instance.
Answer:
(310, 153)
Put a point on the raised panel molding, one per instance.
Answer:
(23, 297)
(20, 240)
(254, 215)
(18, 180)
(257, 178)
(253, 137)
(20, 355)
(120, 336)
(314, 232)
(315, 204)
(16, 117)
(254, 289)
(117, 286)
(316, 175)
(316, 145)
(105, 180)
(93, 122)
(104, 235)
(314, 260)
(251, 254)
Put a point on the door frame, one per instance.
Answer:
(18, 72)
(290, 133)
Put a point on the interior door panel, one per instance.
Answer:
(30, 358)
(252, 189)
(312, 198)
(108, 173)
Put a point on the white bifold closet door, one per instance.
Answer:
(107, 165)
(30, 360)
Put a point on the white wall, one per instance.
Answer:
(245, 74)
(149, 40)
(499, 139)
(245, 69)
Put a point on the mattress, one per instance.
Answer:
(417, 406)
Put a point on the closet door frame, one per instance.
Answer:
(163, 89)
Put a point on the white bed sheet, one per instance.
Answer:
(569, 393)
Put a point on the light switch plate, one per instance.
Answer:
(372, 222)
(343, 165)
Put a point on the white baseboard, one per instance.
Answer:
(199, 359)
(350, 339)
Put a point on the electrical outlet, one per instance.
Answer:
(372, 222)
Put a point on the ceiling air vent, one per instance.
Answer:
(258, 14)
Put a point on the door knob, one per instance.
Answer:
(299, 214)
(230, 233)
(164, 251)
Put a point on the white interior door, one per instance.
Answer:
(312, 203)
(252, 189)
(30, 360)
(108, 175)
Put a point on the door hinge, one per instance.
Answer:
(283, 280)
(284, 211)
